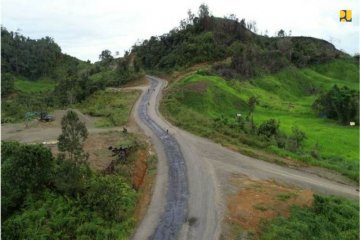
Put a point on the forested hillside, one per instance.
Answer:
(206, 38)
(37, 76)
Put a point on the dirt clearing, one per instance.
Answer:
(253, 201)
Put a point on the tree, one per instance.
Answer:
(341, 104)
(73, 135)
(105, 55)
(204, 11)
(251, 104)
(269, 128)
(281, 33)
(24, 169)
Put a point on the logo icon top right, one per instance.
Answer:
(345, 15)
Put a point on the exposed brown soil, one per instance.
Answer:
(140, 167)
(257, 200)
(145, 196)
(199, 86)
(97, 146)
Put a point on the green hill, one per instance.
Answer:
(206, 38)
(207, 105)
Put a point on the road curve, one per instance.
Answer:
(187, 201)
(174, 214)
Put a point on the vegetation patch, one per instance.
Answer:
(34, 86)
(112, 107)
(327, 218)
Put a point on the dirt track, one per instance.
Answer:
(208, 167)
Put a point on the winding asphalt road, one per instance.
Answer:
(187, 201)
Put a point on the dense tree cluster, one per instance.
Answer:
(51, 198)
(205, 38)
(341, 104)
(28, 57)
(198, 39)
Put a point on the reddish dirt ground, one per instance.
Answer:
(140, 168)
(145, 196)
(257, 200)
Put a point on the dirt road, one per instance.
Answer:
(204, 177)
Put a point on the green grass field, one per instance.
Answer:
(27, 86)
(287, 96)
(113, 108)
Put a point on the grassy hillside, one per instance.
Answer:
(207, 105)
(113, 108)
(34, 87)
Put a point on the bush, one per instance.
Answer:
(296, 139)
(110, 196)
(69, 178)
(329, 218)
(341, 104)
(269, 128)
(25, 169)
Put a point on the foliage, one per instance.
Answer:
(328, 218)
(69, 178)
(24, 169)
(53, 216)
(47, 199)
(73, 134)
(105, 55)
(75, 88)
(205, 38)
(341, 104)
(251, 104)
(296, 139)
(7, 84)
(269, 129)
(110, 196)
(16, 50)
(113, 107)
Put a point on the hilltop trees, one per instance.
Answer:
(106, 56)
(28, 57)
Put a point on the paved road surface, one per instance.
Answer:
(187, 201)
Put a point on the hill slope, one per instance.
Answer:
(208, 104)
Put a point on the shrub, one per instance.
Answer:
(25, 169)
(269, 128)
(341, 104)
(110, 196)
(328, 218)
